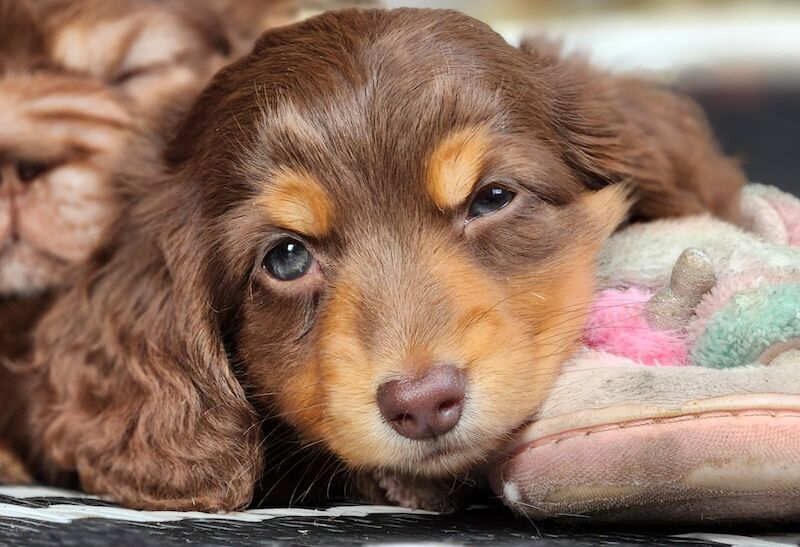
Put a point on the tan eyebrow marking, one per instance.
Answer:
(455, 165)
(298, 202)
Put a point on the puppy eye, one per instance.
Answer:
(126, 76)
(288, 260)
(129, 74)
(489, 200)
(28, 171)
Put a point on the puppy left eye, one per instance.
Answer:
(289, 260)
(489, 200)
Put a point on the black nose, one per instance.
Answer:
(426, 406)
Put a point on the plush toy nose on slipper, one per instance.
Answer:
(426, 406)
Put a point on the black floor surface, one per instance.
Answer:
(475, 526)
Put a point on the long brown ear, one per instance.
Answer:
(617, 128)
(132, 387)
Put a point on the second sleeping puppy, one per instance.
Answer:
(380, 227)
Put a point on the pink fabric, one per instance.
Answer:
(707, 466)
(790, 212)
(618, 325)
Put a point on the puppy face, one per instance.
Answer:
(60, 135)
(389, 224)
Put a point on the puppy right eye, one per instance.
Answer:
(288, 260)
(28, 171)
(489, 200)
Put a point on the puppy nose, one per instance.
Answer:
(424, 407)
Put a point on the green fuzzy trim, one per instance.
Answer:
(751, 322)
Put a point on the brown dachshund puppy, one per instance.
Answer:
(378, 227)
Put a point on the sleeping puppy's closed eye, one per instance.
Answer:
(379, 226)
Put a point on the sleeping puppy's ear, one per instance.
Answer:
(132, 386)
(616, 128)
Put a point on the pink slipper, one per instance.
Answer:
(671, 444)
(715, 435)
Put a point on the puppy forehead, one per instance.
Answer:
(324, 182)
(373, 129)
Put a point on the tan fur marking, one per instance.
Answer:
(455, 165)
(298, 202)
(310, 390)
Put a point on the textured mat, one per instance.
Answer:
(45, 517)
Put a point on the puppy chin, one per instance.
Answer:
(26, 271)
(442, 462)
(472, 444)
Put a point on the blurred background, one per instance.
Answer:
(739, 59)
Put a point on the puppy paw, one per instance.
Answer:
(413, 492)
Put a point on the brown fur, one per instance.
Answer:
(18, 316)
(246, 20)
(152, 374)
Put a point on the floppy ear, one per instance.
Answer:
(617, 128)
(132, 386)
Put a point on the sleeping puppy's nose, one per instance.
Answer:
(426, 406)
